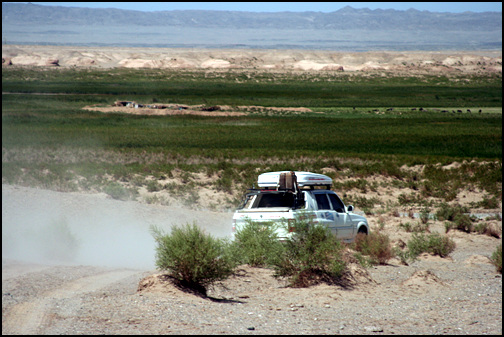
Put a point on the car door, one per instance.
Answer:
(325, 214)
(331, 212)
(343, 222)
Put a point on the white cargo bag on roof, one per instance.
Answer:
(271, 179)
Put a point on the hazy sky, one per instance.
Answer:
(454, 7)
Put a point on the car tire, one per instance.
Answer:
(362, 230)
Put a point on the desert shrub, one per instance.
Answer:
(375, 245)
(450, 213)
(364, 203)
(448, 226)
(403, 255)
(434, 243)
(455, 215)
(311, 255)
(153, 186)
(464, 223)
(489, 203)
(407, 226)
(118, 191)
(257, 244)
(497, 258)
(487, 229)
(193, 258)
(191, 199)
(381, 222)
(407, 199)
(416, 227)
(424, 215)
(360, 184)
(440, 182)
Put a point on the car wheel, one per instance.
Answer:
(362, 230)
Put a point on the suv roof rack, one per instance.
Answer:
(304, 179)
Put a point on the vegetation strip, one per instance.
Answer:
(360, 128)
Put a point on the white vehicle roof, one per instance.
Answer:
(271, 179)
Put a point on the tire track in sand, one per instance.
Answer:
(34, 316)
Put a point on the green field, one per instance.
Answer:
(262, 88)
(44, 128)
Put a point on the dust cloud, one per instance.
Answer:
(51, 227)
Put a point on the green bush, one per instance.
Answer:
(312, 255)
(375, 245)
(434, 243)
(257, 244)
(153, 186)
(456, 216)
(497, 258)
(117, 191)
(424, 215)
(464, 223)
(487, 229)
(415, 227)
(408, 199)
(364, 203)
(489, 203)
(450, 213)
(193, 258)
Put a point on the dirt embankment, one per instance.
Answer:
(274, 60)
(105, 282)
(199, 110)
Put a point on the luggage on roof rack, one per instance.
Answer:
(283, 179)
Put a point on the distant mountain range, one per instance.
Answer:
(345, 18)
(29, 23)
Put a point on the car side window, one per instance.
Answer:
(337, 204)
(322, 201)
(248, 201)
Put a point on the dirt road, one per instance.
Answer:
(36, 313)
(93, 291)
(92, 229)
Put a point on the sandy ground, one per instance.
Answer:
(280, 60)
(198, 110)
(105, 281)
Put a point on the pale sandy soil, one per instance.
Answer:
(106, 283)
(274, 60)
(198, 110)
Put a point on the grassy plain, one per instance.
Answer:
(49, 140)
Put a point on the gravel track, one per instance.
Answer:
(461, 294)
